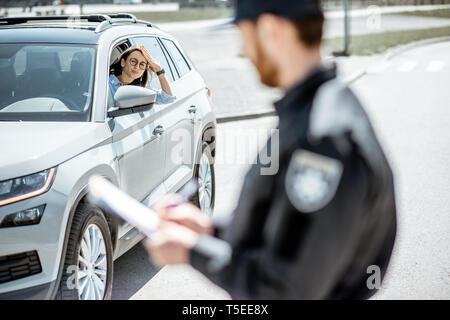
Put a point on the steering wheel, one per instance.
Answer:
(72, 105)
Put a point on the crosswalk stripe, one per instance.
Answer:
(435, 66)
(407, 66)
(381, 67)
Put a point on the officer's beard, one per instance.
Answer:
(267, 70)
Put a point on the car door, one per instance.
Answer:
(176, 118)
(139, 144)
(182, 120)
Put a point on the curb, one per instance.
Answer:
(391, 53)
(246, 116)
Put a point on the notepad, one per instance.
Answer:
(107, 196)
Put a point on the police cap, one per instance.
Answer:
(251, 9)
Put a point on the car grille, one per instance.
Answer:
(19, 265)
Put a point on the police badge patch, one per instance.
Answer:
(312, 180)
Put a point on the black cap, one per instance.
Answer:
(251, 9)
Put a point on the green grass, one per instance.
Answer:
(441, 13)
(185, 15)
(365, 45)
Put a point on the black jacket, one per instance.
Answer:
(321, 225)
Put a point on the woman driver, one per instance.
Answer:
(131, 69)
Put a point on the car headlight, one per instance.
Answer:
(22, 188)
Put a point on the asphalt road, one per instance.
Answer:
(407, 100)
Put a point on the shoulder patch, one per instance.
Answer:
(312, 180)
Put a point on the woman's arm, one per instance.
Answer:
(155, 67)
(165, 83)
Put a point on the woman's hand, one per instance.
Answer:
(152, 63)
(178, 231)
(155, 67)
(184, 214)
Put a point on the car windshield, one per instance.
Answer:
(46, 82)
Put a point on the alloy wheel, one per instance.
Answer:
(206, 186)
(92, 265)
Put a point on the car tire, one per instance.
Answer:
(89, 227)
(204, 168)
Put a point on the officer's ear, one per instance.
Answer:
(271, 31)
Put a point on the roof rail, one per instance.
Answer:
(122, 18)
(122, 15)
(89, 18)
(106, 21)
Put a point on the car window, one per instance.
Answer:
(46, 82)
(152, 45)
(177, 56)
(175, 72)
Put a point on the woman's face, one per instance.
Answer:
(135, 65)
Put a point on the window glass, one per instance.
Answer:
(46, 82)
(152, 45)
(172, 65)
(176, 54)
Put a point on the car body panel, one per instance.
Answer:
(37, 146)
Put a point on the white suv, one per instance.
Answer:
(58, 127)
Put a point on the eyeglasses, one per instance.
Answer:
(134, 62)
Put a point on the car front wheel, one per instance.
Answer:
(88, 268)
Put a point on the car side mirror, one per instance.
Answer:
(132, 99)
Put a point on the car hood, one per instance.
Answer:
(29, 147)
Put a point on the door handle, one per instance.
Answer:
(192, 109)
(159, 130)
(192, 112)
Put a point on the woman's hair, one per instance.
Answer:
(116, 68)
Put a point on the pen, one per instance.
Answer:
(185, 193)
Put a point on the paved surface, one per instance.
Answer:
(407, 100)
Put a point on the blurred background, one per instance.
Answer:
(395, 54)
(359, 31)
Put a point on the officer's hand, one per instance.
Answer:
(185, 214)
(170, 244)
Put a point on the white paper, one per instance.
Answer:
(107, 196)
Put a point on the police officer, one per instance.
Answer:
(325, 223)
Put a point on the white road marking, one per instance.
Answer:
(407, 66)
(379, 68)
(436, 66)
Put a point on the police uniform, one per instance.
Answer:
(316, 228)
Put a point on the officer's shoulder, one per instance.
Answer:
(314, 174)
(335, 111)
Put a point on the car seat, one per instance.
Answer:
(7, 85)
(42, 76)
(79, 78)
